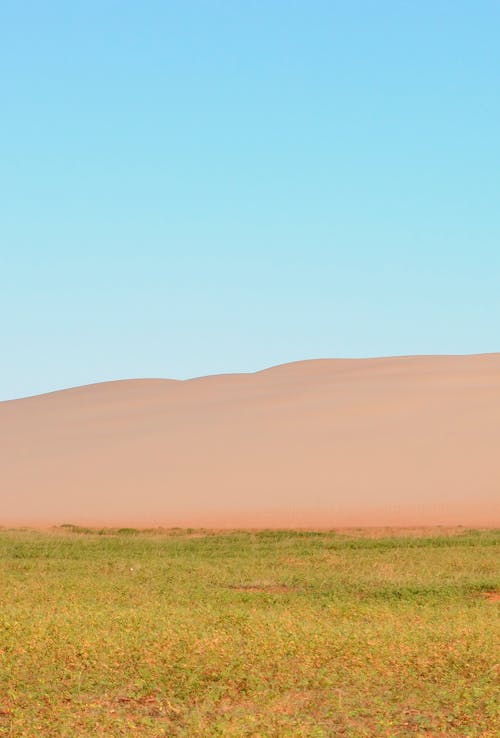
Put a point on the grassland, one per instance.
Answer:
(197, 633)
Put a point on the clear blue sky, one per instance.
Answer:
(190, 187)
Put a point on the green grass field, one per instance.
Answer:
(195, 633)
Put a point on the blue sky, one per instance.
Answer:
(207, 186)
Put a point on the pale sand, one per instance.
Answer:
(393, 442)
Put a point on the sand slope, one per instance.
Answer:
(399, 441)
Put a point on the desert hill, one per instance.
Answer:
(322, 443)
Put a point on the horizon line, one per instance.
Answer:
(270, 367)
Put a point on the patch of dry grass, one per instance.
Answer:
(271, 633)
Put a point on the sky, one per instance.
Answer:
(214, 186)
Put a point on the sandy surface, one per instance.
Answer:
(399, 441)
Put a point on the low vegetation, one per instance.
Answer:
(200, 633)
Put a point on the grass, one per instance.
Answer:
(199, 633)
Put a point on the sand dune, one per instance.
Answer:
(396, 441)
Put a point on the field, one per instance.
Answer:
(203, 633)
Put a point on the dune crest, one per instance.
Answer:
(320, 443)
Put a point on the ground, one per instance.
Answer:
(270, 633)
